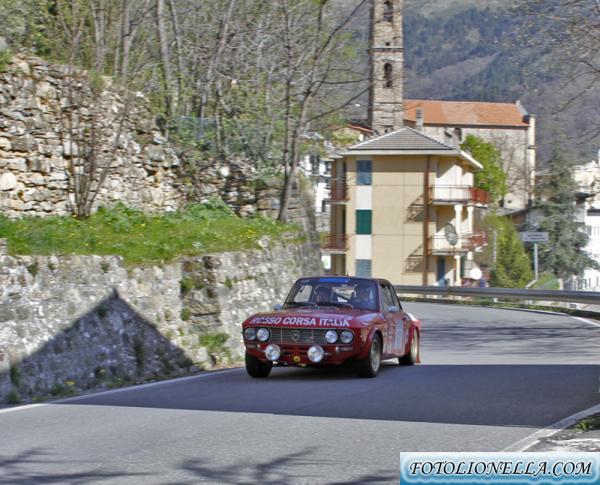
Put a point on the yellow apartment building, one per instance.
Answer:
(403, 207)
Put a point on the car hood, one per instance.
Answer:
(310, 317)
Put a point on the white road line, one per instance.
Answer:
(533, 438)
(116, 391)
(585, 320)
(21, 408)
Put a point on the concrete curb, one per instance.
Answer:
(534, 438)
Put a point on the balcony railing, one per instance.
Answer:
(338, 191)
(334, 242)
(480, 196)
(457, 194)
(439, 243)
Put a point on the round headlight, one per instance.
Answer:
(272, 352)
(316, 354)
(250, 333)
(347, 337)
(263, 334)
(331, 336)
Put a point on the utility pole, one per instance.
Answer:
(535, 261)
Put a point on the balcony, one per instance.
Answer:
(338, 192)
(480, 196)
(439, 244)
(458, 194)
(334, 243)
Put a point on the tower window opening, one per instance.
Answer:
(388, 11)
(388, 75)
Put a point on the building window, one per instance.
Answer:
(364, 221)
(388, 128)
(388, 11)
(315, 161)
(364, 172)
(363, 268)
(458, 133)
(388, 75)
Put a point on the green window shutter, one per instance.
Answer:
(364, 221)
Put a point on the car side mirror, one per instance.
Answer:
(392, 309)
(277, 307)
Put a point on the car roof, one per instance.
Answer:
(374, 280)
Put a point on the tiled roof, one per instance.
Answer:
(403, 139)
(464, 113)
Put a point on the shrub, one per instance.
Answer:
(15, 375)
(13, 397)
(5, 58)
(215, 346)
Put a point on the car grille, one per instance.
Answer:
(298, 335)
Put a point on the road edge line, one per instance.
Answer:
(586, 320)
(21, 408)
(532, 439)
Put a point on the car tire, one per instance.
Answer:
(412, 357)
(369, 366)
(256, 368)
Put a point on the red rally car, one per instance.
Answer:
(331, 321)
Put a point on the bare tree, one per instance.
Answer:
(261, 75)
(569, 32)
(85, 118)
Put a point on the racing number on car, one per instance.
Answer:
(399, 337)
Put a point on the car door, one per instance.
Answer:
(388, 303)
(402, 328)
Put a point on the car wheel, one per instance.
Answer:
(256, 368)
(369, 366)
(412, 357)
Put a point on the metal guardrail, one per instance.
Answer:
(589, 297)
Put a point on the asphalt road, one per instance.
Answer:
(489, 378)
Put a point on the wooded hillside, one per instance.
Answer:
(491, 51)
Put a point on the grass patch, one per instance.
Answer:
(141, 238)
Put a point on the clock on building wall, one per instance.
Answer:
(451, 234)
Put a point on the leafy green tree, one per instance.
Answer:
(565, 254)
(491, 178)
(511, 266)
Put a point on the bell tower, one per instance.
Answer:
(386, 56)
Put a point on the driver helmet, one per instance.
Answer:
(322, 294)
(362, 291)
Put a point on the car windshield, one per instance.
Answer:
(336, 292)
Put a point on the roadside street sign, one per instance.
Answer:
(534, 237)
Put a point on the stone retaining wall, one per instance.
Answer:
(39, 141)
(83, 322)
(38, 147)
